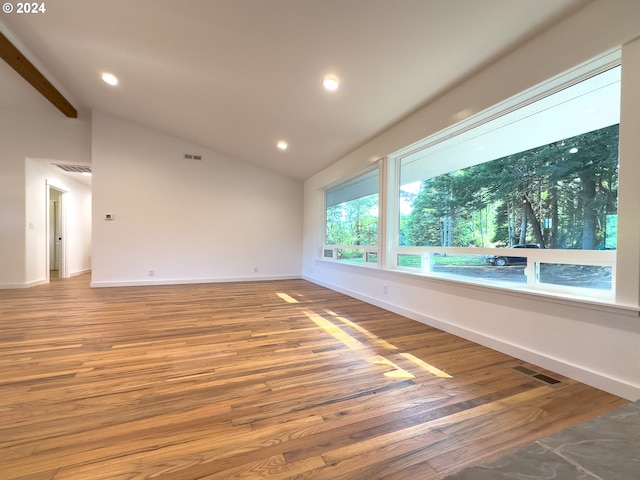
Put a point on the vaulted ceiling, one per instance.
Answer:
(237, 76)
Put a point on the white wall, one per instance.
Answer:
(594, 344)
(189, 221)
(628, 290)
(41, 133)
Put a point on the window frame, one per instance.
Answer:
(367, 250)
(389, 214)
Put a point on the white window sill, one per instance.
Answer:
(579, 301)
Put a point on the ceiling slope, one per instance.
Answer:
(237, 76)
(23, 67)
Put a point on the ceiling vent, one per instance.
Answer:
(191, 156)
(74, 168)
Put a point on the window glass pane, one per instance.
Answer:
(353, 256)
(545, 175)
(352, 211)
(584, 276)
(410, 261)
(477, 267)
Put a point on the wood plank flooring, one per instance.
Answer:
(277, 380)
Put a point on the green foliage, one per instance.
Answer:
(459, 261)
(561, 195)
(354, 222)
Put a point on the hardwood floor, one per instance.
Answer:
(278, 380)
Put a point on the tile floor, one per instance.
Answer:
(604, 448)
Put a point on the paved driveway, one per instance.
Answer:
(584, 276)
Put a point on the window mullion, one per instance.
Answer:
(391, 208)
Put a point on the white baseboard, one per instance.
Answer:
(187, 281)
(598, 380)
(34, 283)
(79, 272)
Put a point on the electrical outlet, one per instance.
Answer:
(152, 273)
(255, 269)
(385, 290)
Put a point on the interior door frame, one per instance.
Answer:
(62, 272)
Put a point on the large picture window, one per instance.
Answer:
(524, 195)
(544, 176)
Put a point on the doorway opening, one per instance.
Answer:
(56, 252)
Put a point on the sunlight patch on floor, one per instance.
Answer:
(367, 333)
(336, 331)
(427, 366)
(354, 344)
(396, 373)
(287, 298)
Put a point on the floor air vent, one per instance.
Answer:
(540, 377)
(547, 379)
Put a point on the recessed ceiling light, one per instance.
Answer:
(330, 83)
(110, 78)
(282, 145)
(462, 114)
(86, 174)
(573, 150)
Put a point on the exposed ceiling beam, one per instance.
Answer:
(31, 74)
